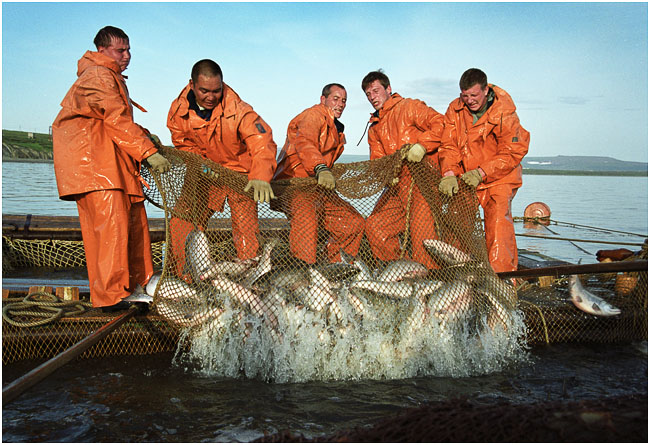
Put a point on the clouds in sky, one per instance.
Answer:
(578, 72)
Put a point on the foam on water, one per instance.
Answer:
(315, 346)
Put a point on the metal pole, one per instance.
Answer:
(571, 269)
(20, 385)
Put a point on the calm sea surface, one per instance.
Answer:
(147, 398)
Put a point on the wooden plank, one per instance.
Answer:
(34, 289)
(68, 293)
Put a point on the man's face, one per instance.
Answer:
(474, 97)
(119, 50)
(207, 90)
(335, 101)
(377, 95)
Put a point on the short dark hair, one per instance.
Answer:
(206, 67)
(375, 75)
(327, 89)
(472, 77)
(106, 35)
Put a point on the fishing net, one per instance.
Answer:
(323, 274)
(319, 286)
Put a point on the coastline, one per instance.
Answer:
(524, 171)
(30, 160)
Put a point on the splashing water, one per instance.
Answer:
(312, 346)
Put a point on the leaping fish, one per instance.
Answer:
(588, 302)
(264, 266)
(400, 269)
(197, 254)
(446, 253)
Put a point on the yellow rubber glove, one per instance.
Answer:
(159, 163)
(472, 177)
(416, 153)
(448, 185)
(326, 179)
(262, 191)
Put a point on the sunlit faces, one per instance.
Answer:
(207, 90)
(474, 97)
(119, 50)
(335, 101)
(377, 95)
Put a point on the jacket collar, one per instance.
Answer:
(393, 100)
(225, 108)
(94, 58)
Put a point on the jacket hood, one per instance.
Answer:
(93, 58)
(503, 103)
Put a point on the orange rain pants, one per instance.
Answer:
(116, 240)
(499, 226)
(243, 217)
(388, 220)
(342, 221)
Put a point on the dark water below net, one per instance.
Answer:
(144, 399)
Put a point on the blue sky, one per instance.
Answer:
(578, 72)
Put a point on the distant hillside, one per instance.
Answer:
(25, 145)
(583, 164)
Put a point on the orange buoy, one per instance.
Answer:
(537, 210)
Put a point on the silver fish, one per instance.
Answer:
(247, 298)
(320, 295)
(398, 289)
(197, 254)
(187, 313)
(365, 273)
(451, 299)
(263, 266)
(400, 269)
(588, 302)
(394, 289)
(446, 253)
(179, 302)
(170, 288)
(228, 268)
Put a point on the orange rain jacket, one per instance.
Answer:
(97, 145)
(315, 133)
(98, 148)
(496, 142)
(402, 121)
(235, 136)
(313, 139)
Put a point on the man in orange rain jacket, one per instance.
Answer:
(398, 121)
(98, 149)
(210, 119)
(483, 143)
(315, 141)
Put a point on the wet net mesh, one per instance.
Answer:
(318, 284)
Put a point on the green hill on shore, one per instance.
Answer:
(25, 145)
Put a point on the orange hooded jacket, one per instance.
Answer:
(404, 121)
(235, 136)
(496, 142)
(312, 139)
(97, 145)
